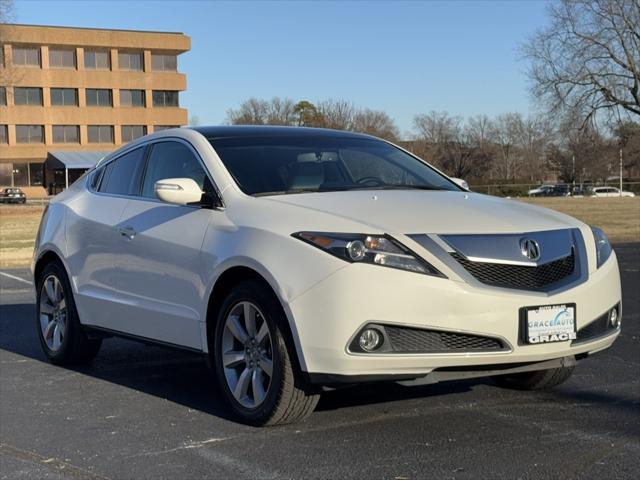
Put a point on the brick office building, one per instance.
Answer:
(67, 91)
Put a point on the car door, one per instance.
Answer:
(93, 236)
(160, 269)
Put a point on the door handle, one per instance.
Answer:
(127, 231)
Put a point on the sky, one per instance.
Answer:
(403, 57)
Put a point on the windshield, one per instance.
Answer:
(296, 164)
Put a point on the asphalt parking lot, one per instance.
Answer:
(145, 412)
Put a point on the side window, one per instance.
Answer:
(96, 177)
(122, 176)
(173, 160)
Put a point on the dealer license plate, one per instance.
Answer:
(551, 323)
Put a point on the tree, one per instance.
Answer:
(504, 134)
(8, 75)
(446, 142)
(627, 138)
(337, 114)
(254, 111)
(375, 122)
(307, 114)
(588, 59)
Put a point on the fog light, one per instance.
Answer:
(370, 340)
(356, 250)
(614, 319)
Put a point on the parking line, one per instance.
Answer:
(13, 277)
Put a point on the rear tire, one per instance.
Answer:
(537, 380)
(252, 361)
(59, 330)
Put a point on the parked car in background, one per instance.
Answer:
(299, 260)
(550, 191)
(12, 195)
(611, 192)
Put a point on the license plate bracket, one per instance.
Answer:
(547, 324)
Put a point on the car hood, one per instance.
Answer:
(409, 212)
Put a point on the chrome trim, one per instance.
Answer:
(506, 248)
(146, 144)
(442, 251)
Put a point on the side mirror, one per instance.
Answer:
(179, 191)
(460, 182)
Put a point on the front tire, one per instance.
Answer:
(59, 330)
(537, 380)
(253, 364)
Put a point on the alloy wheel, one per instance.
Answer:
(247, 354)
(53, 313)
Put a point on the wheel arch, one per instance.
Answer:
(225, 282)
(45, 257)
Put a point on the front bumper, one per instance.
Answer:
(330, 313)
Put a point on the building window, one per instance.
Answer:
(98, 97)
(95, 60)
(26, 56)
(5, 174)
(130, 61)
(62, 58)
(100, 133)
(29, 134)
(3, 96)
(165, 98)
(4, 137)
(36, 174)
(131, 132)
(132, 98)
(20, 174)
(66, 134)
(159, 128)
(164, 63)
(67, 97)
(27, 96)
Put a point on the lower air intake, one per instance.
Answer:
(415, 340)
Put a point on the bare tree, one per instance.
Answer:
(281, 111)
(446, 142)
(375, 122)
(479, 131)
(251, 112)
(255, 111)
(436, 127)
(7, 15)
(505, 134)
(588, 59)
(338, 114)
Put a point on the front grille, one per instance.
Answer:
(519, 276)
(415, 340)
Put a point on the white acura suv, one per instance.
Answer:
(299, 260)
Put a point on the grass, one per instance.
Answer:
(18, 228)
(618, 217)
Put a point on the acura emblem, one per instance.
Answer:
(530, 249)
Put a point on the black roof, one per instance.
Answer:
(227, 131)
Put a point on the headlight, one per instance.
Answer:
(603, 247)
(377, 250)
